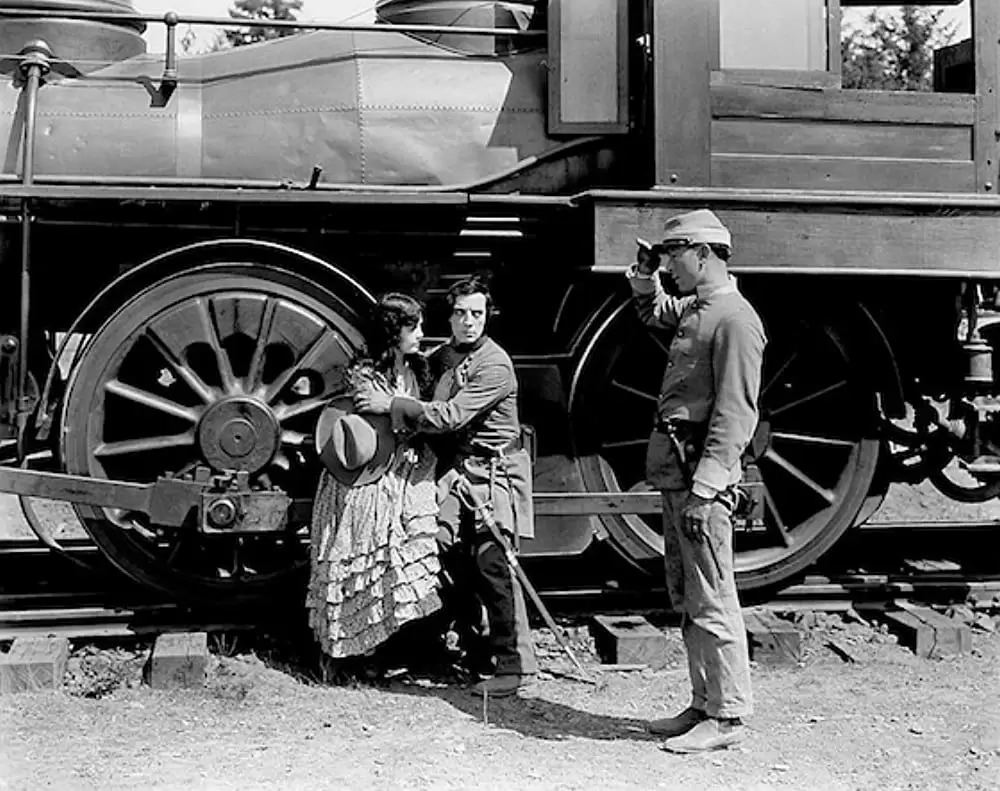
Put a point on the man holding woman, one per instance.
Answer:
(472, 414)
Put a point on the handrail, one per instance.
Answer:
(173, 18)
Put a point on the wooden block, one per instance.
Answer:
(927, 632)
(629, 640)
(771, 641)
(34, 663)
(179, 661)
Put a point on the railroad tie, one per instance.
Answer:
(927, 632)
(34, 663)
(770, 640)
(179, 661)
(629, 640)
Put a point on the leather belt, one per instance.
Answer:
(685, 431)
(482, 450)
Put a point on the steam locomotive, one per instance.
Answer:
(191, 245)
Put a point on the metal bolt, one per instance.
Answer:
(222, 513)
(988, 186)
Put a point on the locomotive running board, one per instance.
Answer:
(167, 502)
(594, 503)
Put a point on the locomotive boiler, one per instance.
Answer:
(190, 246)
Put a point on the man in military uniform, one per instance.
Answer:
(474, 410)
(706, 416)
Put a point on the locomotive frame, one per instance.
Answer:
(850, 210)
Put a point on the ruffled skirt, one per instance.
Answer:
(374, 556)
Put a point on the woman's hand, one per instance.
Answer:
(375, 402)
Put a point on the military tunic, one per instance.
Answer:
(709, 390)
(474, 419)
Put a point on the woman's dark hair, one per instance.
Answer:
(393, 313)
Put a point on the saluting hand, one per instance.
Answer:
(373, 401)
(647, 261)
(694, 517)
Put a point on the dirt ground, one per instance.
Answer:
(887, 720)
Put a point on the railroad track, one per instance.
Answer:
(121, 610)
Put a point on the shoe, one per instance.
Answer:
(501, 686)
(709, 734)
(677, 726)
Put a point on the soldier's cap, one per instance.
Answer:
(696, 227)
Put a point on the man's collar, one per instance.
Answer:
(465, 348)
(709, 290)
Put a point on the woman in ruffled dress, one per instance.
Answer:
(374, 554)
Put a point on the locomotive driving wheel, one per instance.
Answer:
(816, 445)
(222, 368)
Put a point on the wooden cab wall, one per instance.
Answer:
(724, 119)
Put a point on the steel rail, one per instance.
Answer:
(28, 615)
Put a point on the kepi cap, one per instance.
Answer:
(696, 227)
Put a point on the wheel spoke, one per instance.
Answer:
(633, 391)
(288, 411)
(185, 372)
(147, 399)
(294, 438)
(257, 362)
(778, 525)
(800, 476)
(781, 371)
(313, 353)
(806, 399)
(810, 439)
(144, 445)
(230, 384)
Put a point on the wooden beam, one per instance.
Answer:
(836, 139)
(813, 238)
(842, 173)
(891, 107)
(681, 90)
(986, 30)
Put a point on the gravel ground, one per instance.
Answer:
(887, 720)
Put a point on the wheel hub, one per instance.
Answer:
(238, 433)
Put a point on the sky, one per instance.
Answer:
(320, 10)
(363, 11)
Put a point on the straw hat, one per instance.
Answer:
(356, 448)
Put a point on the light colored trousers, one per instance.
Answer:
(711, 618)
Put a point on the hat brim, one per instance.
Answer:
(385, 450)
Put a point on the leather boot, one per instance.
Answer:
(677, 726)
(709, 734)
